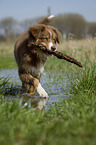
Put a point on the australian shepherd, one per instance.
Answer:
(31, 60)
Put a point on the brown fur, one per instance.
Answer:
(31, 60)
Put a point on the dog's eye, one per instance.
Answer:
(43, 39)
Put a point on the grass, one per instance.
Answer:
(7, 55)
(83, 50)
(72, 122)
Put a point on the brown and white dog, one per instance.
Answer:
(31, 61)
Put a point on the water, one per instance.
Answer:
(56, 85)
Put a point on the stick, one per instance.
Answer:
(57, 54)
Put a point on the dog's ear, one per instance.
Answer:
(58, 34)
(36, 30)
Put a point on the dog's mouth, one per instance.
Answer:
(48, 52)
(45, 49)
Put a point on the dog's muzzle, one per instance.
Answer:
(53, 48)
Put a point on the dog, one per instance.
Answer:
(31, 60)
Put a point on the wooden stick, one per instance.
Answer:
(57, 54)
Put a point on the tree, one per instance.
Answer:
(76, 24)
(92, 29)
(8, 25)
(71, 23)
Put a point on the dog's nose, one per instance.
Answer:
(53, 48)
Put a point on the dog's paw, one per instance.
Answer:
(41, 91)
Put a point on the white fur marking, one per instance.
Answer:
(34, 70)
(39, 70)
(41, 91)
(50, 33)
(50, 45)
(51, 17)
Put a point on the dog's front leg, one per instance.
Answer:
(31, 90)
(29, 79)
(41, 91)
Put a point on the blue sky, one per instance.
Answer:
(27, 9)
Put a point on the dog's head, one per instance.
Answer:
(45, 35)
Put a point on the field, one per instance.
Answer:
(70, 121)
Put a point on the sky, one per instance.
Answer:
(29, 9)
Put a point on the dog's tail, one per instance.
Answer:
(46, 20)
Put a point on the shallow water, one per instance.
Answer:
(56, 85)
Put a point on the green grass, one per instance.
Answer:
(7, 62)
(86, 82)
(7, 55)
(72, 122)
(82, 50)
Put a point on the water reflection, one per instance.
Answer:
(56, 85)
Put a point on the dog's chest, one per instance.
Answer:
(34, 67)
(35, 71)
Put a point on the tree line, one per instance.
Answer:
(70, 25)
